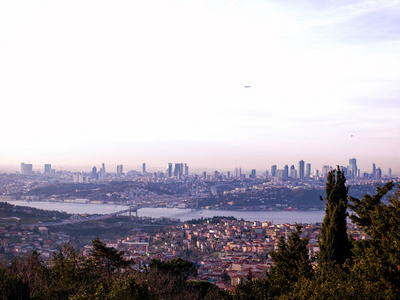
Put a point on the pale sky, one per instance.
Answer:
(156, 81)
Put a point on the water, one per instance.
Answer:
(277, 217)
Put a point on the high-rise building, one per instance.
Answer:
(120, 170)
(325, 170)
(301, 169)
(186, 170)
(353, 167)
(273, 170)
(144, 168)
(236, 172)
(378, 173)
(390, 172)
(373, 171)
(26, 168)
(103, 171)
(47, 168)
(253, 173)
(169, 170)
(286, 171)
(308, 170)
(177, 170)
(94, 173)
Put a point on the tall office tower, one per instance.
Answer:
(286, 171)
(144, 168)
(204, 175)
(240, 172)
(378, 173)
(325, 170)
(181, 169)
(373, 171)
(308, 170)
(353, 167)
(266, 174)
(26, 168)
(94, 173)
(316, 172)
(103, 170)
(177, 170)
(253, 173)
(236, 172)
(120, 170)
(186, 170)
(47, 168)
(169, 170)
(390, 172)
(291, 172)
(273, 170)
(301, 169)
(279, 173)
(228, 174)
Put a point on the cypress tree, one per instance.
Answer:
(334, 243)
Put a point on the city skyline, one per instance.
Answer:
(217, 85)
(304, 169)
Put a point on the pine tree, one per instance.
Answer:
(377, 258)
(334, 243)
(291, 263)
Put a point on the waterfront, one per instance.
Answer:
(276, 216)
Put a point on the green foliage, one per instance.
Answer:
(178, 267)
(253, 290)
(334, 243)
(106, 259)
(291, 263)
(377, 259)
(12, 286)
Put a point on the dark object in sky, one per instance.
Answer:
(247, 86)
(352, 135)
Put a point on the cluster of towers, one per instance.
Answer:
(178, 171)
(303, 171)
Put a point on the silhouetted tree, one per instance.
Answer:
(334, 242)
(291, 263)
(377, 258)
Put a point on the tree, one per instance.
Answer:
(105, 258)
(377, 258)
(334, 243)
(291, 262)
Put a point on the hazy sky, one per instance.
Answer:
(85, 82)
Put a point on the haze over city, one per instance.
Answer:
(215, 84)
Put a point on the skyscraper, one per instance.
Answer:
(378, 173)
(94, 173)
(373, 171)
(144, 168)
(169, 170)
(47, 168)
(120, 170)
(308, 170)
(301, 169)
(353, 167)
(26, 168)
(273, 170)
(286, 171)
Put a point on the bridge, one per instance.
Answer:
(90, 218)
